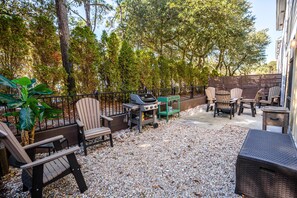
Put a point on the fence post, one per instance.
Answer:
(204, 90)
(192, 91)
(97, 95)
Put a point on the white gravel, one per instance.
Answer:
(175, 160)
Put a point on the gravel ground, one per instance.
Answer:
(175, 160)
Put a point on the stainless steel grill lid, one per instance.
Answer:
(142, 98)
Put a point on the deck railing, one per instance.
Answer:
(111, 104)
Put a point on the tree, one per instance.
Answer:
(150, 24)
(156, 75)
(111, 67)
(128, 68)
(266, 68)
(46, 58)
(145, 62)
(248, 53)
(94, 12)
(62, 16)
(84, 54)
(194, 31)
(13, 45)
(164, 71)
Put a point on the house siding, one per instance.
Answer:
(287, 56)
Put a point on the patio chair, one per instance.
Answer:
(210, 94)
(38, 174)
(273, 96)
(90, 127)
(224, 103)
(250, 103)
(236, 94)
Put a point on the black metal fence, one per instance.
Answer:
(111, 104)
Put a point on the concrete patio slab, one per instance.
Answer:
(199, 116)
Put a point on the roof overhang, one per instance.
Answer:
(280, 14)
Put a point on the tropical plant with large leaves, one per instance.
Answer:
(28, 108)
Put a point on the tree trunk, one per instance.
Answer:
(24, 137)
(88, 11)
(64, 43)
(32, 135)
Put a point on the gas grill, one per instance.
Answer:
(141, 110)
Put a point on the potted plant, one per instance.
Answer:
(28, 108)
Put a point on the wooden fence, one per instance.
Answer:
(250, 84)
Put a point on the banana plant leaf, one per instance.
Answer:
(31, 108)
(10, 100)
(27, 119)
(40, 89)
(5, 98)
(45, 105)
(24, 81)
(6, 82)
(15, 113)
(52, 113)
(33, 81)
(49, 113)
(15, 104)
(24, 93)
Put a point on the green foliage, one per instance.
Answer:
(195, 31)
(267, 68)
(109, 68)
(204, 75)
(145, 62)
(26, 98)
(47, 61)
(13, 45)
(151, 24)
(128, 68)
(156, 75)
(157, 43)
(246, 54)
(164, 71)
(85, 55)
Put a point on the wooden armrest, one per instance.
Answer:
(2, 135)
(248, 100)
(275, 96)
(50, 158)
(79, 123)
(36, 144)
(107, 118)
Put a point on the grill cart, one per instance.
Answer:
(141, 110)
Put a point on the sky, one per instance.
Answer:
(265, 13)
